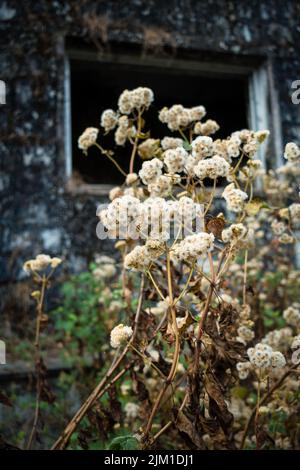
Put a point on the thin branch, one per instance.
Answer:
(107, 154)
(264, 400)
(136, 140)
(169, 423)
(205, 313)
(184, 290)
(245, 278)
(148, 361)
(174, 365)
(64, 438)
(155, 285)
(39, 310)
(211, 197)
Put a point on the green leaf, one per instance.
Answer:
(268, 322)
(272, 313)
(240, 392)
(186, 145)
(124, 443)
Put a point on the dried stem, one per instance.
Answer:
(264, 400)
(136, 141)
(155, 285)
(64, 438)
(39, 311)
(256, 418)
(169, 423)
(245, 278)
(174, 365)
(184, 290)
(147, 361)
(108, 155)
(204, 314)
(211, 197)
(238, 164)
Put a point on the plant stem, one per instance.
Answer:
(183, 136)
(64, 438)
(39, 310)
(155, 285)
(174, 365)
(205, 312)
(211, 197)
(147, 361)
(256, 419)
(169, 423)
(186, 285)
(107, 154)
(264, 400)
(245, 278)
(238, 163)
(135, 145)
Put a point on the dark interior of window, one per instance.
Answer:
(96, 86)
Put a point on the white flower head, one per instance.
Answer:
(174, 159)
(294, 210)
(109, 120)
(120, 335)
(212, 168)
(88, 138)
(243, 369)
(40, 263)
(202, 147)
(292, 314)
(292, 152)
(193, 247)
(171, 143)
(277, 360)
(235, 198)
(151, 170)
(234, 232)
(132, 410)
(138, 98)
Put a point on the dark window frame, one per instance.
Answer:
(259, 113)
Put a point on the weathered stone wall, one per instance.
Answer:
(37, 213)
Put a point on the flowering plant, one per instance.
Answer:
(205, 248)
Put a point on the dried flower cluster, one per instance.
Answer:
(88, 138)
(261, 357)
(119, 335)
(41, 263)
